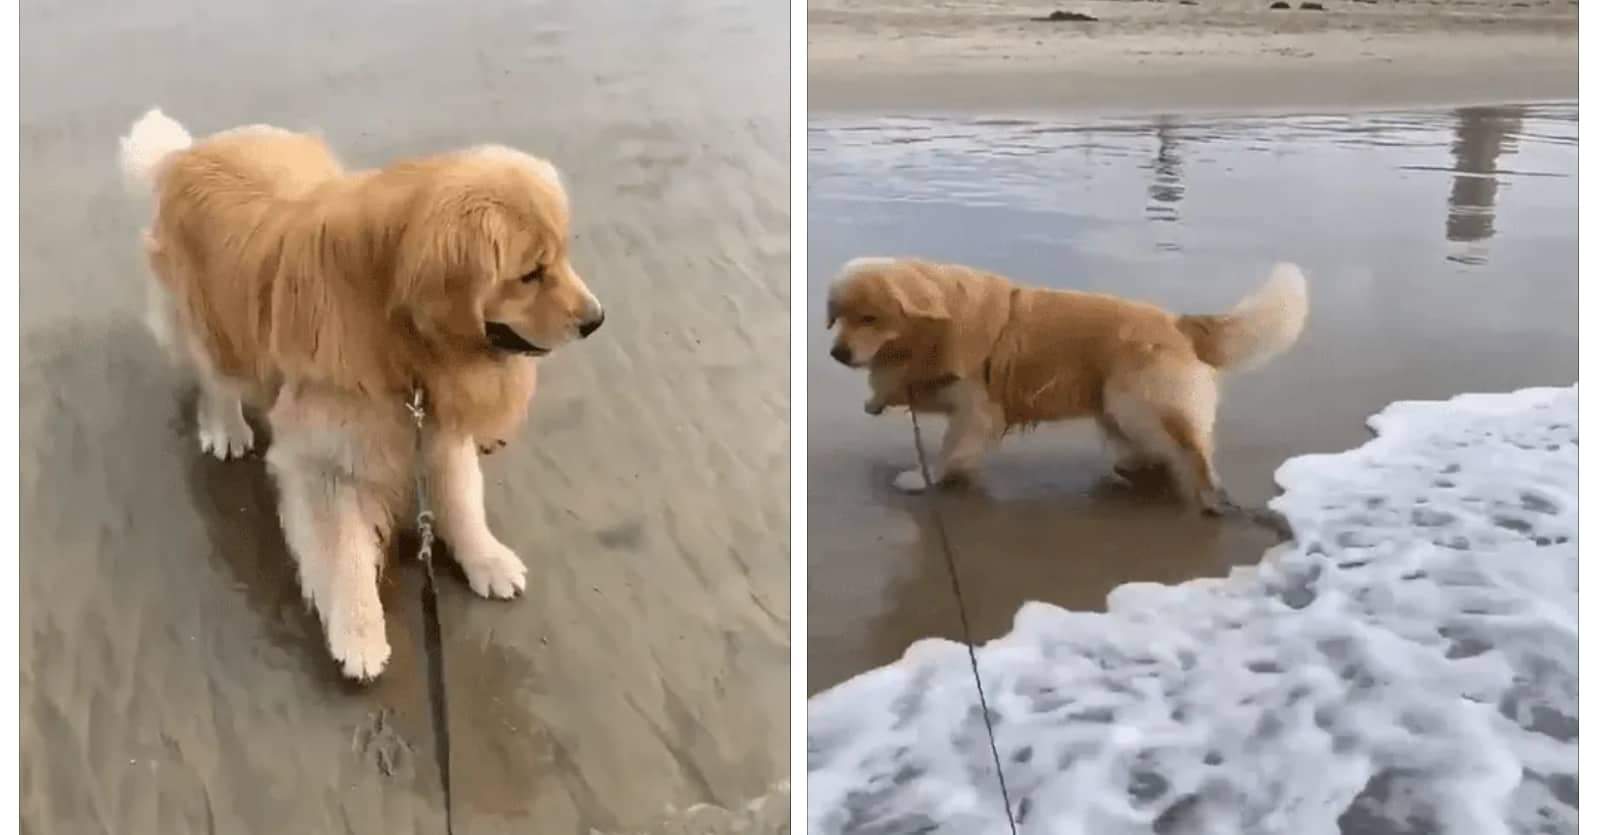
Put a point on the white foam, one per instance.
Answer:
(1408, 664)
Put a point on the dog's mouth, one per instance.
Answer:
(850, 359)
(503, 337)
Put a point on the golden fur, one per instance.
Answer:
(325, 297)
(996, 355)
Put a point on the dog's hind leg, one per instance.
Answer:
(219, 417)
(1193, 468)
(219, 414)
(223, 430)
(1168, 412)
(1130, 460)
(161, 319)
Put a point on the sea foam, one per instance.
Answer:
(1408, 664)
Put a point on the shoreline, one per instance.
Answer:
(993, 92)
(876, 59)
(1335, 602)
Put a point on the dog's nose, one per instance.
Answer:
(840, 353)
(592, 325)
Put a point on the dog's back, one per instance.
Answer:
(159, 155)
(1059, 348)
(254, 162)
(220, 205)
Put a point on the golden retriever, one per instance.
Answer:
(994, 355)
(325, 298)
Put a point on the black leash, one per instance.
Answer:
(430, 606)
(1263, 517)
(961, 606)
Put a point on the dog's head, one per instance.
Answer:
(878, 302)
(483, 259)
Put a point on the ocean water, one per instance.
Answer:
(1415, 227)
(1408, 664)
(1441, 247)
(1474, 187)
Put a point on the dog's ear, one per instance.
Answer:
(448, 254)
(833, 312)
(918, 297)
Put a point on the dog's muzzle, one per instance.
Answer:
(841, 353)
(503, 337)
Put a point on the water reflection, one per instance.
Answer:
(1482, 134)
(1349, 181)
(1166, 186)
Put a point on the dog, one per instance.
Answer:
(326, 299)
(994, 356)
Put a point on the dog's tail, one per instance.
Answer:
(151, 140)
(1262, 326)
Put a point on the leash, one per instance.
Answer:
(961, 604)
(417, 406)
(1263, 517)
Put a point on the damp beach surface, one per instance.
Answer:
(1409, 663)
(172, 679)
(1441, 250)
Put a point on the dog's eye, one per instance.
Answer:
(535, 276)
(867, 320)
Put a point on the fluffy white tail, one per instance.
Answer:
(151, 140)
(1259, 328)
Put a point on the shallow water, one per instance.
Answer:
(1472, 186)
(1441, 249)
(1408, 664)
(172, 679)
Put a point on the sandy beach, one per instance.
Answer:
(1187, 55)
(172, 678)
(1418, 159)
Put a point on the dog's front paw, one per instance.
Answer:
(357, 640)
(493, 570)
(910, 481)
(226, 438)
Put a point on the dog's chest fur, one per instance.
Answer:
(483, 398)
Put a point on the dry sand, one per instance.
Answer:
(1171, 55)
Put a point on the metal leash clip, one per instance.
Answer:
(416, 406)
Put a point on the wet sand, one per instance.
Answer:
(1141, 56)
(1441, 247)
(172, 679)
